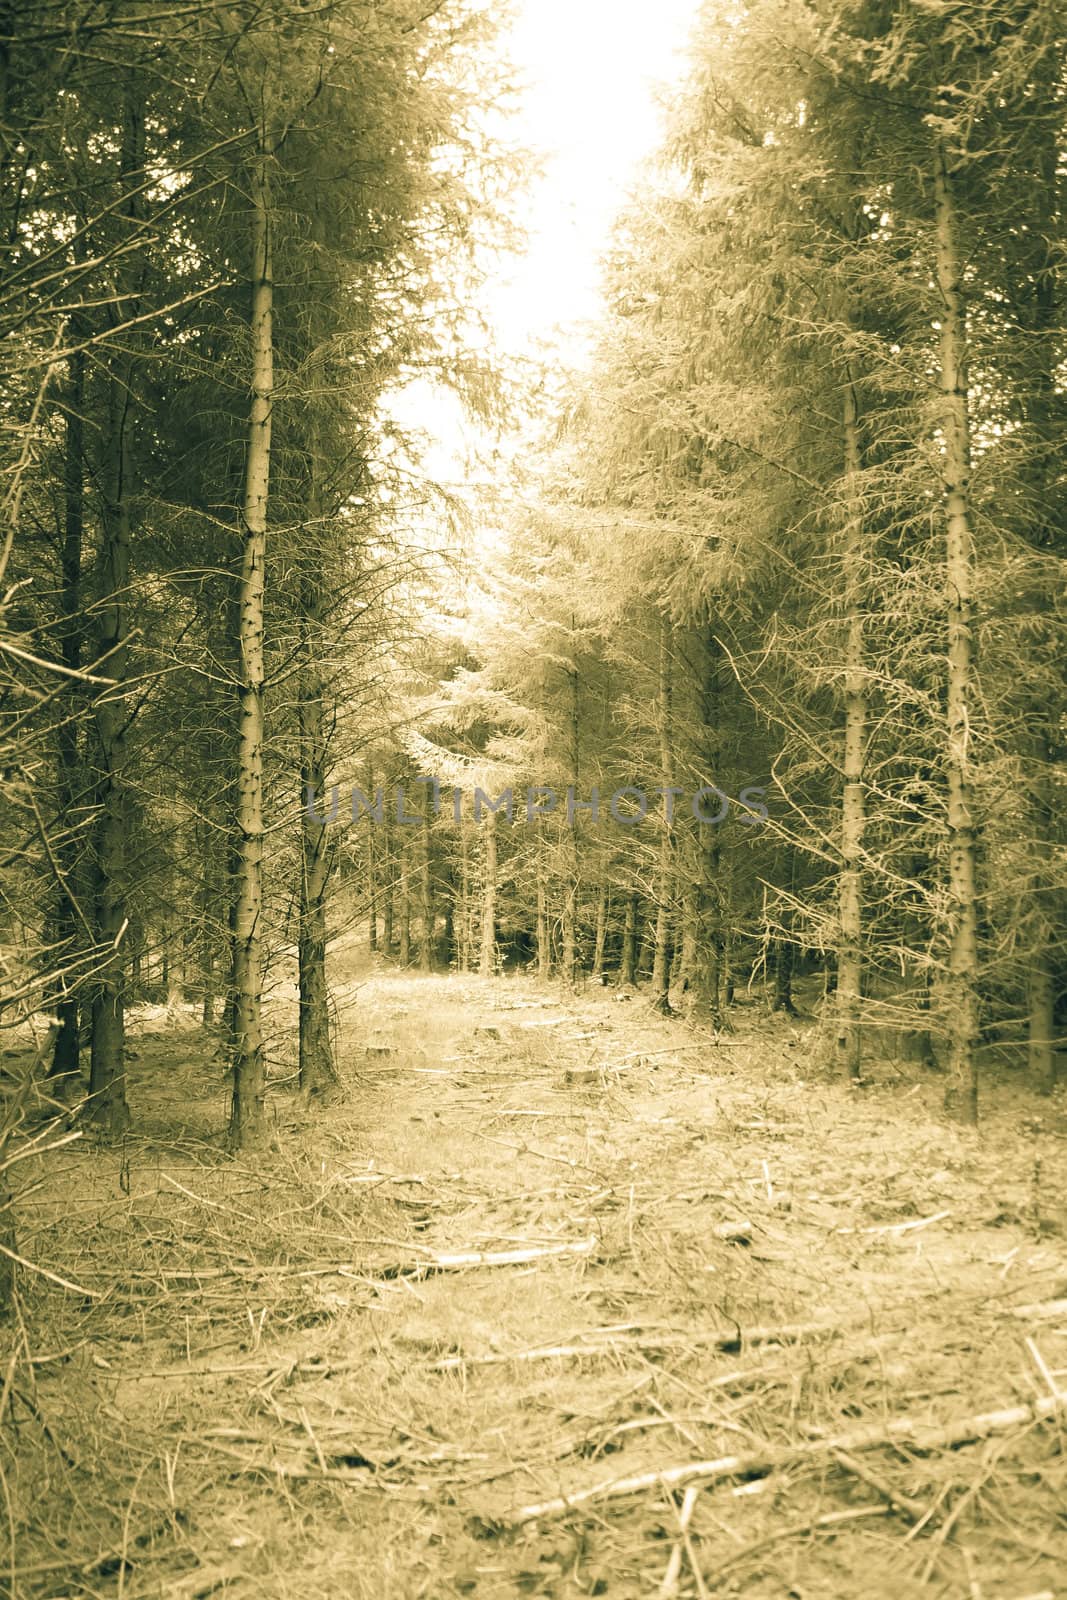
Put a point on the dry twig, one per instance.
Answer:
(759, 1463)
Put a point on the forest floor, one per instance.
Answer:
(269, 1378)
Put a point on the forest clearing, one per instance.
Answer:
(262, 1387)
(533, 740)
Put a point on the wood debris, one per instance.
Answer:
(761, 1463)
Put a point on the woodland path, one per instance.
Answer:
(273, 1395)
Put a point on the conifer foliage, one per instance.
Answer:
(801, 527)
(759, 689)
(230, 228)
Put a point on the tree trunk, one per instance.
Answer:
(427, 910)
(784, 948)
(318, 1075)
(447, 882)
(1045, 413)
(661, 945)
(248, 1112)
(9, 1242)
(685, 943)
(853, 799)
(404, 950)
(317, 1072)
(602, 905)
(1041, 997)
(463, 903)
(572, 868)
(707, 971)
(207, 979)
(544, 942)
(727, 979)
(646, 948)
(628, 959)
(1042, 1025)
(374, 866)
(962, 984)
(388, 883)
(175, 993)
(71, 921)
(373, 879)
(664, 878)
(784, 959)
(208, 936)
(569, 920)
(107, 1066)
(487, 961)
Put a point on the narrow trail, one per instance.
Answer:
(684, 1250)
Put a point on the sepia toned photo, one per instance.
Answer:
(533, 746)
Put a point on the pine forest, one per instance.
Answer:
(533, 873)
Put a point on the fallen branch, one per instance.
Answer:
(898, 1229)
(547, 1352)
(53, 1277)
(669, 1587)
(667, 1340)
(761, 1463)
(797, 1530)
(909, 1227)
(874, 1480)
(1043, 1312)
(203, 1581)
(488, 1258)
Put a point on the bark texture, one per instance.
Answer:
(628, 959)
(707, 908)
(664, 868)
(107, 1106)
(71, 922)
(853, 799)
(248, 1111)
(487, 960)
(961, 990)
(317, 1072)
